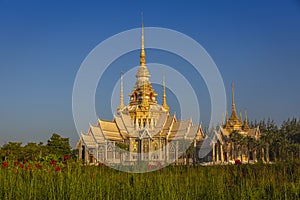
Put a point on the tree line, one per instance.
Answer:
(57, 147)
(275, 143)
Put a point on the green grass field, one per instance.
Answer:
(73, 181)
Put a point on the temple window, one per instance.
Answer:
(109, 152)
(172, 152)
(101, 153)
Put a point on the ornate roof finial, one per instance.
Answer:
(233, 117)
(121, 106)
(164, 100)
(143, 93)
(142, 53)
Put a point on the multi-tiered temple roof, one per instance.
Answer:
(142, 118)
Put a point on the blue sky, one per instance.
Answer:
(255, 43)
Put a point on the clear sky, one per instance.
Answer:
(254, 43)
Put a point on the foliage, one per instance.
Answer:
(59, 145)
(280, 143)
(56, 146)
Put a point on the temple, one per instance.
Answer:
(143, 130)
(234, 139)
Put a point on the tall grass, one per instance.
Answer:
(73, 181)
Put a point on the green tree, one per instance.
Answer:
(12, 150)
(58, 145)
(32, 151)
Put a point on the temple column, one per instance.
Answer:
(227, 153)
(167, 146)
(130, 149)
(96, 157)
(80, 153)
(263, 154)
(160, 149)
(222, 155)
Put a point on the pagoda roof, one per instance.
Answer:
(88, 140)
(110, 130)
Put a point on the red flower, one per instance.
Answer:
(149, 167)
(21, 165)
(28, 167)
(57, 168)
(24, 161)
(53, 162)
(16, 163)
(38, 165)
(5, 164)
(66, 158)
(237, 162)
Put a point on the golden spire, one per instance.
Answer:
(233, 117)
(164, 100)
(143, 63)
(121, 106)
(143, 92)
(142, 53)
(246, 125)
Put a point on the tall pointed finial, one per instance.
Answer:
(142, 53)
(121, 106)
(233, 117)
(232, 92)
(164, 100)
(232, 95)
